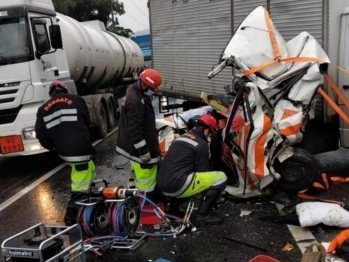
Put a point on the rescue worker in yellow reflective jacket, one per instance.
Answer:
(137, 137)
(63, 125)
(184, 172)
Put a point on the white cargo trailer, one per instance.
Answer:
(37, 46)
(188, 37)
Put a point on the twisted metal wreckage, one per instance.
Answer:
(276, 84)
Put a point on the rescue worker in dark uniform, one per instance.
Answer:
(63, 125)
(184, 171)
(137, 137)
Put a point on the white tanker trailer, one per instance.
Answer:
(37, 46)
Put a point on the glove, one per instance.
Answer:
(145, 158)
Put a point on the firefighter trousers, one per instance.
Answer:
(200, 181)
(145, 176)
(82, 175)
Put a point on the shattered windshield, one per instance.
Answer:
(14, 40)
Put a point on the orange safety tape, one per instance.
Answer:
(338, 241)
(340, 179)
(334, 105)
(303, 59)
(336, 90)
(272, 35)
(325, 180)
(318, 185)
(340, 68)
(305, 196)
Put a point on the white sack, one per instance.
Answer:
(314, 213)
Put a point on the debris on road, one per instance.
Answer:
(245, 244)
(288, 247)
(245, 213)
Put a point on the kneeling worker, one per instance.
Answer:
(184, 170)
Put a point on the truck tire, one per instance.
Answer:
(297, 172)
(111, 115)
(320, 137)
(102, 129)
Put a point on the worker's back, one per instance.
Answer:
(188, 153)
(66, 124)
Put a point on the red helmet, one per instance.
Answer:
(151, 78)
(209, 121)
(57, 85)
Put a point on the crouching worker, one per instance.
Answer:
(184, 171)
(63, 125)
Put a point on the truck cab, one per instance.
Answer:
(29, 62)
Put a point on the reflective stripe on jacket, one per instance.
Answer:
(188, 154)
(63, 124)
(137, 130)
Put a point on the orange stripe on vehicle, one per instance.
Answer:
(162, 147)
(260, 148)
(288, 113)
(291, 130)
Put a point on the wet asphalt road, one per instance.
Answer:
(18, 172)
(46, 202)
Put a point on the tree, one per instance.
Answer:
(120, 30)
(85, 10)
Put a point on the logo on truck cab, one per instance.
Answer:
(10, 84)
(46, 65)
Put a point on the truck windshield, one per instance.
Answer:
(14, 42)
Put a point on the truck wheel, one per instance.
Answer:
(297, 172)
(102, 129)
(320, 137)
(111, 115)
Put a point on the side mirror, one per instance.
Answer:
(56, 36)
(217, 69)
(38, 54)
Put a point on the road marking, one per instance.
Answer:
(37, 182)
(302, 236)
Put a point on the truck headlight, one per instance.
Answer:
(29, 133)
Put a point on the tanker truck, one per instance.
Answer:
(37, 46)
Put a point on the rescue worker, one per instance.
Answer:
(184, 171)
(137, 137)
(63, 125)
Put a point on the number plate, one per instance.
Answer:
(11, 144)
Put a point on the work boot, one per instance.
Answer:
(173, 207)
(206, 204)
(71, 216)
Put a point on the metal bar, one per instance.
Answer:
(17, 235)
